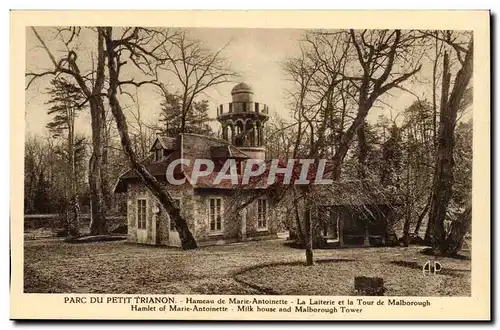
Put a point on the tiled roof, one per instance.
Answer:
(227, 151)
(192, 146)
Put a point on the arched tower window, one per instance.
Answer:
(224, 132)
(230, 133)
(251, 133)
(258, 131)
(239, 138)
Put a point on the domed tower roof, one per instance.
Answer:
(241, 88)
(242, 93)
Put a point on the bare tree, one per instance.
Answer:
(377, 54)
(64, 106)
(91, 83)
(417, 167)
(195, 68)
(142, 134)
(451, 103)
(136, 43)
(338, 70)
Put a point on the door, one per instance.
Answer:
(142, 223)
(331, 225)
(173, 235)
(334, 225)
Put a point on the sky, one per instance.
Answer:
(256, 54)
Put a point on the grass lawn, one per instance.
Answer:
(265, 267)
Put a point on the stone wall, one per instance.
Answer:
(136, 191)
(230, 219)
(195, 208)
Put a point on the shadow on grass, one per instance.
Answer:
(335, 246)
(442, 271)
(295, 245)
(95, 238)
(270, 291)
(429, 252)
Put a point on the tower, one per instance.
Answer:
(243, 121)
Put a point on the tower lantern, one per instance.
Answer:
(243, 121)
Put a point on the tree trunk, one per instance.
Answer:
(362, 151)
(66, 201)
(105, 185)
(422, 216)
(346, 139)
(340, 220)
(300, 236)
(408, 200)
(187, 239)
(443, 175)
(434, 92)
(427, 236)
(74, 228)
(455, 239)
(98, 213)
(406, 228)
(308, 236)
(98, 217)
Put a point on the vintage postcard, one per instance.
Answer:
(250, 165)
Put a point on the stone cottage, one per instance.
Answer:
(211, 210)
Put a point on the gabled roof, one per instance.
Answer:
(157, 169)
(165, 141)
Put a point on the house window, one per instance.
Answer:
(262, 213)
(141, 214)
(215, 214)
(177, 203)
(158, 154)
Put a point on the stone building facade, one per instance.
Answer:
(212, 210)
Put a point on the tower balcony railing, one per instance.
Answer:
(242, 107)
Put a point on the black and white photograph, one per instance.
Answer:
(167, 160)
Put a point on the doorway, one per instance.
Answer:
(331, 225)
(142, 223)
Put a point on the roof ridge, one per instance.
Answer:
(207, 137)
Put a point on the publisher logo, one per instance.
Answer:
(431, 268)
